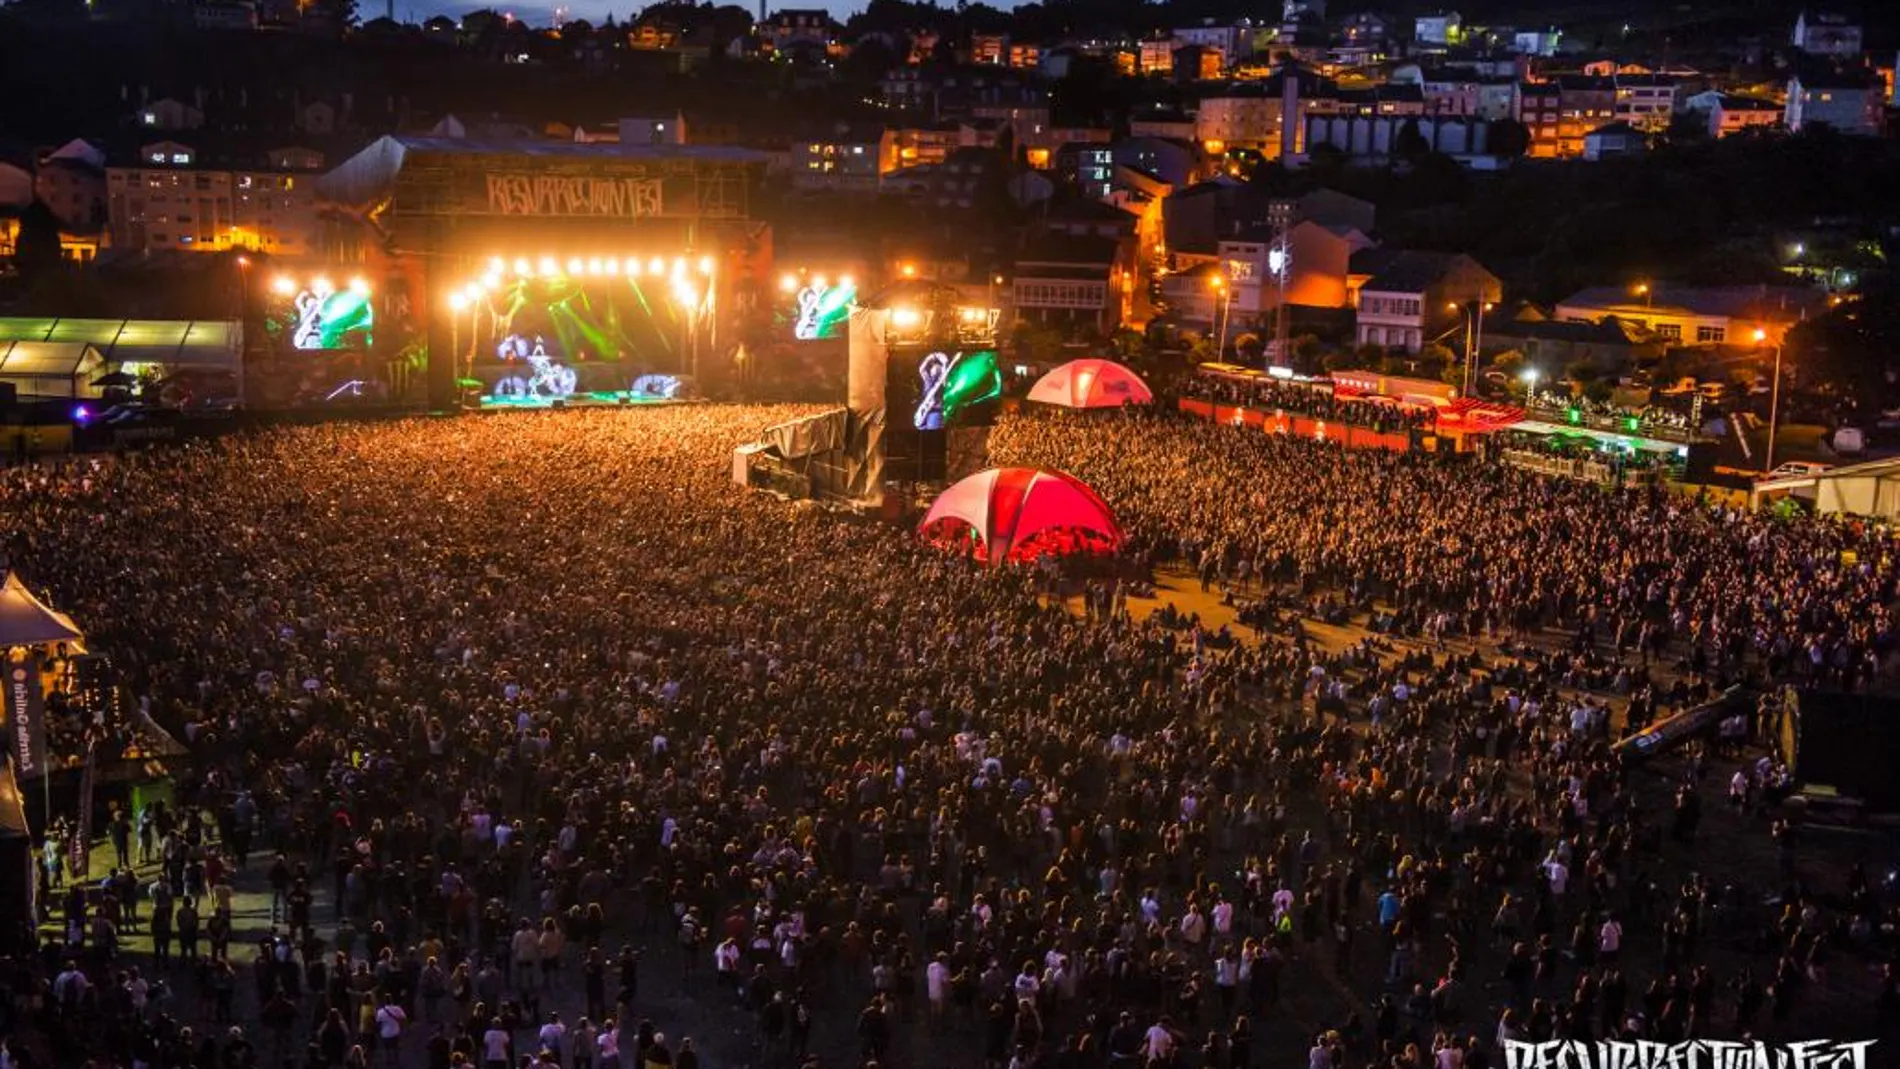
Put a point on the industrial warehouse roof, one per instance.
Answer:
(470, 146)
(363, 181)
(160, 341)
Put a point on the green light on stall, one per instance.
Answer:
(1573, 414)
(1631, 424)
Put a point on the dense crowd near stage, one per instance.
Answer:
(541, 743)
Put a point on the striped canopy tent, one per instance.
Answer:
(1021, 513)
(1091, 383)
(26, 620)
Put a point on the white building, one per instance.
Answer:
(1729, 115)
(1646, 101)
(1443, 29)
(1536, 42)
(1242, 118)
(1231, 41)
(1823, 33)
(1849, 104)
(844, 161)
(167, 204)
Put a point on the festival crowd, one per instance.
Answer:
(545, 745)
(1320, 401)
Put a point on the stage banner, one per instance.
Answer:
(79, 862)
(25, 717)
(1198, 408)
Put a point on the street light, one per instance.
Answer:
(1774, 401)
(1226, 311)
(1474, 335)
(1642, 290)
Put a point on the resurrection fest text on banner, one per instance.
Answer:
(1695, 1054)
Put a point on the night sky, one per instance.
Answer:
(540, 12)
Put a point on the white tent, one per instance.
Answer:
(51, 369)
(26, 621)
(1871, 489)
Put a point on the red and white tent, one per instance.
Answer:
(1019, 513)
(1091, 383)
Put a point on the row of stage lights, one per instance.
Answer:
(789, 282)
(286, 286)
(500, 272)
(500, 269)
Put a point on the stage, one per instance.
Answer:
(595, 399)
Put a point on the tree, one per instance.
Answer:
(36, 250)
(1854, 348)
(1038, 342)
(1510, 364)
(1687, 128)
(1436, 360)
(1508, 138)
(1410, 145)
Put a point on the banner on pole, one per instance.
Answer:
(25, 717)
(80, 860)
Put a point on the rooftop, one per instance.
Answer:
(1777, 303)
(1401, 271)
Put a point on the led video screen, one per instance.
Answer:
(816, 308)
(952, 385)
(318, 316)
(535, 338)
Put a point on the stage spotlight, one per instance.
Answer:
(657, 266)
(788, 282)
(321, 286)
(906, 318)
(679, 266)
(574, 267)
(845, 281)
(491, 282)
(593, 266)
(549, 268)
(458, 300)
(523, 268)
(611, 266)
(633, 269)
(705, 265)
(818, 281)
(359, 287)
(283, 285)
(495, 265)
